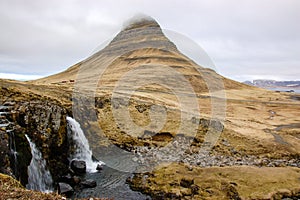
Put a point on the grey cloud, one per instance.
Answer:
(244, 38)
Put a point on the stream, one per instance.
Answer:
(111, 184)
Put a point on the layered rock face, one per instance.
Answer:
(141, 43)
(143, 33)
(4, 153)
(43, 120)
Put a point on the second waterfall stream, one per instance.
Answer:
(39, 177)
(82, 147)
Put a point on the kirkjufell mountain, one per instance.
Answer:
(165, 127)
(141, 42)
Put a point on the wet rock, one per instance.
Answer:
(65, 189)
(78, 166)
(89, 183)
(99, 167)
(69, 179)
(66, 179)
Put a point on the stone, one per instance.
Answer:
(65, 189)
(99, 167)
(66, 179)
(89, 183)
(78, 166)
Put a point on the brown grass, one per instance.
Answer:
(222, 183)
(12, 189)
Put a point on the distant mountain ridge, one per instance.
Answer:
(273, 83)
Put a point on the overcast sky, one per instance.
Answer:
(245, 39)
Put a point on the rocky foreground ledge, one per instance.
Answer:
(12, 189)
(179, 181)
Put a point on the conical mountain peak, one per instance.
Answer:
(140, 42)
(137, 33)
(140, 21)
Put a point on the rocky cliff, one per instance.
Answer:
(42, 119)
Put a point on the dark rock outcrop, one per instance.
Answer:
(78, 166)
(89, 183)
(65, 189)
(99, 167)
(66, 179)
(44, 121)
(69, 179)
(4, 153)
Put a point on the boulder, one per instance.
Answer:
(71, 180)
(78, 166)
(66, 179)
(99, 167)
(65, 189)
(89, 183)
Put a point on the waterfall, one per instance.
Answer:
(13, 152)
(39, 178)
(82, 148)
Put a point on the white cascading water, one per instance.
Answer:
(39, 177)
(83, 151)
(13, 151)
